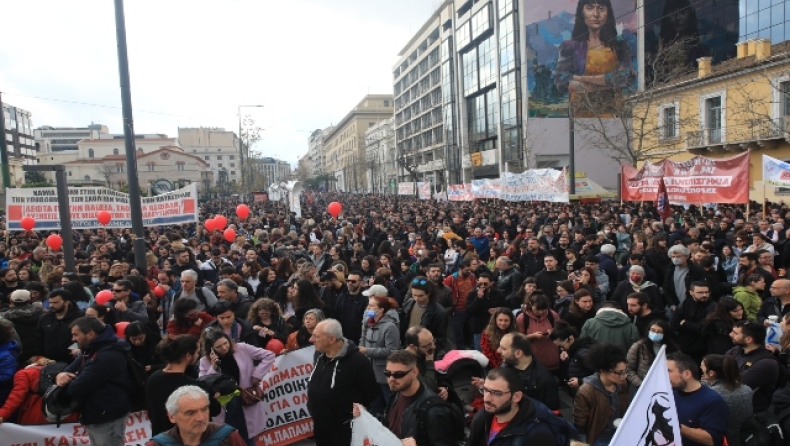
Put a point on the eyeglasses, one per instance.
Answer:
(115, 290)
(351, 281)
(397, 375)
(620, 374)
(738, 240)
(419, 282)
(494, 393)
(482, 284)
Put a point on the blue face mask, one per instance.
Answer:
(655, 337)
(370, 314)
(94, 280)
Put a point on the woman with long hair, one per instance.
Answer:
(536, 321)
(264, 315)
(582, 309)
(251, 273)
(301, 338)
(565, 290)
(584, 279)
(501, 323)
(728, 263)
(718, 325)
(527, 288)
(494, 254)
(238, 361)
(721, 373)
(284, 268)
(304, 297)
(642, 354)
(78, 294)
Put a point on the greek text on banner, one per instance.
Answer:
(138, 432)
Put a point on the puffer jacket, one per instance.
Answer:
(750, 300)
(638, 361)
(25, 318)
(576, 364)
(8, 365)
(379, 340)
(24, 397)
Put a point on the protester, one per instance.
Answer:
(721, 374)
(604, 396)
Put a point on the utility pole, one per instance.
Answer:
(572, 146)
(4, 148)
(135, 205)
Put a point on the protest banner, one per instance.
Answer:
(776, 172)
(138, 433)
(486, 189)
(366, 430)
(459, 192)
(424, 190)
(260, 197)
(652, 417)
(698, 180)
(41, 203)
(534, 185)
(285, 386)
(406, 188)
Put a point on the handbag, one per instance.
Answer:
(251, 395)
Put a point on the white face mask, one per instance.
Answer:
(677, 261)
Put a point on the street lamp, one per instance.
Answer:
(241, 144)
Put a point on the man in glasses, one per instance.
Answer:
(129, 309)
(536, 380)
(351, 306)
(509, 416)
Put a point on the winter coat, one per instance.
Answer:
(547, 281)
(102, 379)
(233, 439)
(759, 370)
(611, 326)
(592, 411)
(543, 349)
(334, 385)
(348, 311)
(490, 351)
(717, 336)
(439, 423)
(241, 331)
(379, 340)
(690, 332)
(576, 363)
(173, 329)
(625, 289)
(246, 356)
(638, 361)
(25, 401)
(523, 429)
(539, 384)
(54, 335)
(434, 319)
(25, 318)
(477, 308)
(136, 310)
(278, 326)
(8, 365)
(750, 300)
(509, 283)
(576, 321)
(695, 274)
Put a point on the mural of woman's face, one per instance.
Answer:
(680, 19)
(595, 15)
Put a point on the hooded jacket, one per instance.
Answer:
(612, 326)
(379, 340)
(523, 429)
(102, 379)
(749, 299)
(594, 407)
(439, 419)
(334, 385)
(8, 365)
(25, 318)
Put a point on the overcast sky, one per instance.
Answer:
(192, 62)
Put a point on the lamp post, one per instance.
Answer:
(241, 144)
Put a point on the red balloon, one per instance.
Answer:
(230, 235)
(334, 208)
(221, 222)
(159, 291)
(210, 225)
(120, 328)
(104, 217)
(27, 223)
(103, 296)
(275, 346)
(54, 241)
(243, 211)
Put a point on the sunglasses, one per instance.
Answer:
(352, 281)
(419, 282)
(396, 375)
(117, 290)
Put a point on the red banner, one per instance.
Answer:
(698, 180)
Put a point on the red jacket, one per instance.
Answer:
(24, 397)
(174, 330)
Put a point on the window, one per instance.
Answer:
(180, 165)
(231, 157)
(219, 165)
(668, 121)
(386, 103)
(219, 157)
(232, 164)
(713, 119)
(784, 91)
(87, 178)
(151, 167)
(470, 72)
(69, 173)
(90, 153)
(114, 151)
(233, 173)
(207, 158)
(487, 60)
(119, 168)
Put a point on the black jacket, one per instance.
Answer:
(643, 322)
(523, 429)
(477, 308)
(690, 332)
(102, 380)
(531, 263)
(349, 311)
(695, 274)
(434, 319)
(54, 335)
(440, 420)
(241, 307)
(547, 281)
(509, 283)
(25, 318)
(624, 289)
(760, 371)
(659, 262)
(539, 384)
(771, 307)
(335, 384)
(575, 366)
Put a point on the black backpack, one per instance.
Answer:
(432, 402)
(56, 404)
(199, 293)
(136, 383)
(47, 376)
(762, 429)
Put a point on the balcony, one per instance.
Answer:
(762, 132)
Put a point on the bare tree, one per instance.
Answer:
(250, 135)
(106, 171)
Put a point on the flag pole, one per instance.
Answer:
(765, 200)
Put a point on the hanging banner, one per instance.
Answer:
(459, 192)
(424, 190)
(260, 197)
(698, 180)
(776, 172)
(534, 185)
(406, 188)
(138, 433)
(41, 203)
(485, 188)
(287, 419)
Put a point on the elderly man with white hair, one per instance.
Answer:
(202, 295)
(188, 409)
(678, 279)
(607, 263)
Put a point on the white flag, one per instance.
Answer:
(652, 418)
(775, 172)
(367, 431)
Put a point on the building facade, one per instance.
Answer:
(267, 171)
(722, 110)
(20, 141)
(345, 144)
(217, 147)
(316, 152)
(59, 139)
(380, 156)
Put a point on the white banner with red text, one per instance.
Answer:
(138, 433)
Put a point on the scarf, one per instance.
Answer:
(645, 284)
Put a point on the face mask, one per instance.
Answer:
(370, 314)
(655, 337)
(635, 278)
(677, 262)
(606, 231)
(94, 280)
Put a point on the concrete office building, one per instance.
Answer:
(217, 147)
(20, 143)
(380, 156)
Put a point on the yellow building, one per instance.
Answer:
(722, 110)
(344, 145)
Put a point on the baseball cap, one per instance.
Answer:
(20, 296)
(376, 290)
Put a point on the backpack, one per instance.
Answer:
(199, 293)
(432, 402)
(47, 376)
(561, 429)
(56, 404)
(762, 429)
(215, 439)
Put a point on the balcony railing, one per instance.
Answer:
(751, 131)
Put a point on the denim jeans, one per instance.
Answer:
(111, 433)
(234, 416)
(476, 340)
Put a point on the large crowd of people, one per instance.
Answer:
(557, 302)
